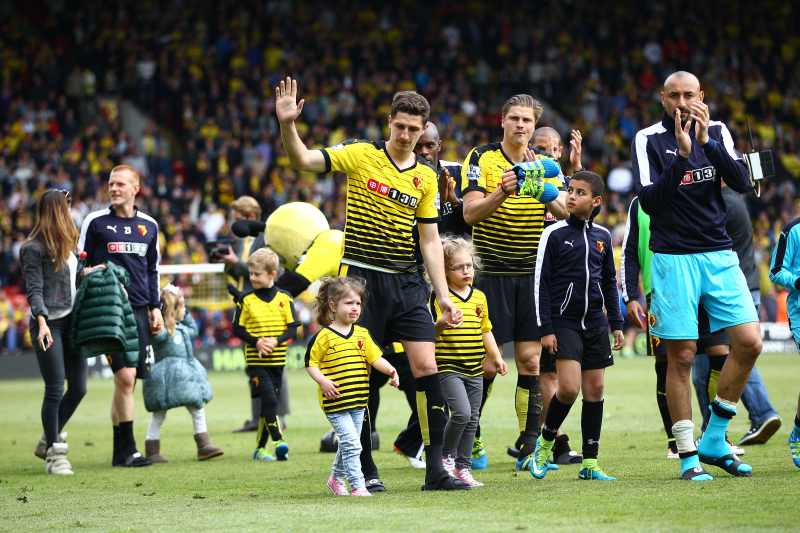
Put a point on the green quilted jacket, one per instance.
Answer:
(103, 321)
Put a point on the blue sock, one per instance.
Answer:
(713, 441)
(693, 461)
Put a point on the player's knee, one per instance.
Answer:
(750, 347)
(124, 379)
(529, 366)
(568, 393)
(593, 391)
(420, 369)
(681, 361)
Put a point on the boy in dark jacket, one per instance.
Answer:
(576, 301)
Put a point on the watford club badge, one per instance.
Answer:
(417, 182)
(142, 229)
(360, 344)
(600, 245)
(478, 311)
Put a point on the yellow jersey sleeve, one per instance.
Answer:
(345, 157)
(315, 351)
(371, 350)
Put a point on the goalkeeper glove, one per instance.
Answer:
(529, 179)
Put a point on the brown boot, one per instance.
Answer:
(152, 450)
(206, 450)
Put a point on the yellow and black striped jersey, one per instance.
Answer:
(343, 359)
(461, 349)
(265, 313)
(508, 239)
(383, 204)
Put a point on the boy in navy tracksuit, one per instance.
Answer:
(576, 301)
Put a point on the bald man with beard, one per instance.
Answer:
(679, 164)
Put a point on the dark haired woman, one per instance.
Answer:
(49, 268)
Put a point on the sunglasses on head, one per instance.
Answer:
(66, 193)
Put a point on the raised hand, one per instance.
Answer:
(682, 135)
(287, 108)
(575, 143)
(699, 112)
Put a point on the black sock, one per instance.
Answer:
(797, 421)
(534, 411)
(127, 442)
(268, 421)
(432, 419)
(557, 412)
(368, 466)
(591, 423)
(117, 442)
(661, 400)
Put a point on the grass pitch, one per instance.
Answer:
(232, 493)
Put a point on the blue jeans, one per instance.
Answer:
(754, 395)
(347, 463)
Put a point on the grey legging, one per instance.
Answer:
(463, 395)
(58, 363)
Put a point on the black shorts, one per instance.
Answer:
(397, 306)
(143, 363)
(265, 379)
(656, 347)
(547, 362)
(591, 348)
(512, 308)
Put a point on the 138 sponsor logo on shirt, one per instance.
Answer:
(136, 248)
(390, 192)
(698, 175)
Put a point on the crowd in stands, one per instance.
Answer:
(204, 74)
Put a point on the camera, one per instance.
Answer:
(216, 250)
(761, 166)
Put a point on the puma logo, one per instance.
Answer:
(673, 152)
(570, 243)
(439, 407)
(112, 228)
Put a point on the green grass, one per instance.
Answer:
(233, 493)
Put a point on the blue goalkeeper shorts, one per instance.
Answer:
(681, 283)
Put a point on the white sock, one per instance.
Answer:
(198, 419)
(154, 431)
(683, 430)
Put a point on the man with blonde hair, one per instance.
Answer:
(128, 237)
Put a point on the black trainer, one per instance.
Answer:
(375, 485)
(446, 483)
(761, 433)
(133, 460)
